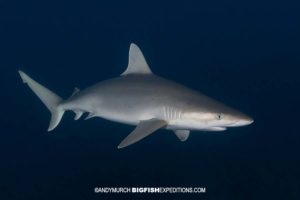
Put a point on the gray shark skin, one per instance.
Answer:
(139, 97)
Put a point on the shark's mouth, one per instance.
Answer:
(217, 128)
(240, 123)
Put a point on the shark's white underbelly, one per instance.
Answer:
(133, 114)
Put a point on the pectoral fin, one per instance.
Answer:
(143, 129)
(182, 135)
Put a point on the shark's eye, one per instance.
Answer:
(219, 116)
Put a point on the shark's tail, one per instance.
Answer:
(51, 100)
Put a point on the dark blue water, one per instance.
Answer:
(244, 53)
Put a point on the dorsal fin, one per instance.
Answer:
(136, 62)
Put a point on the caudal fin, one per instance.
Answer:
(50, 99)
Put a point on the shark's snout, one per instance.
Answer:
(243, 121)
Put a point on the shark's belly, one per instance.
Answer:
(133, 109)
(129, 109)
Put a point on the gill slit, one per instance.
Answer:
(171, 113)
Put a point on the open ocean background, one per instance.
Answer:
(243, 53)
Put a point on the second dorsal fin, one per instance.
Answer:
(136, 62)
(76, 90)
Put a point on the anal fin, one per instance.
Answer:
(91, 115)
(78, 114)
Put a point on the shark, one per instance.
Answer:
(140, 98)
